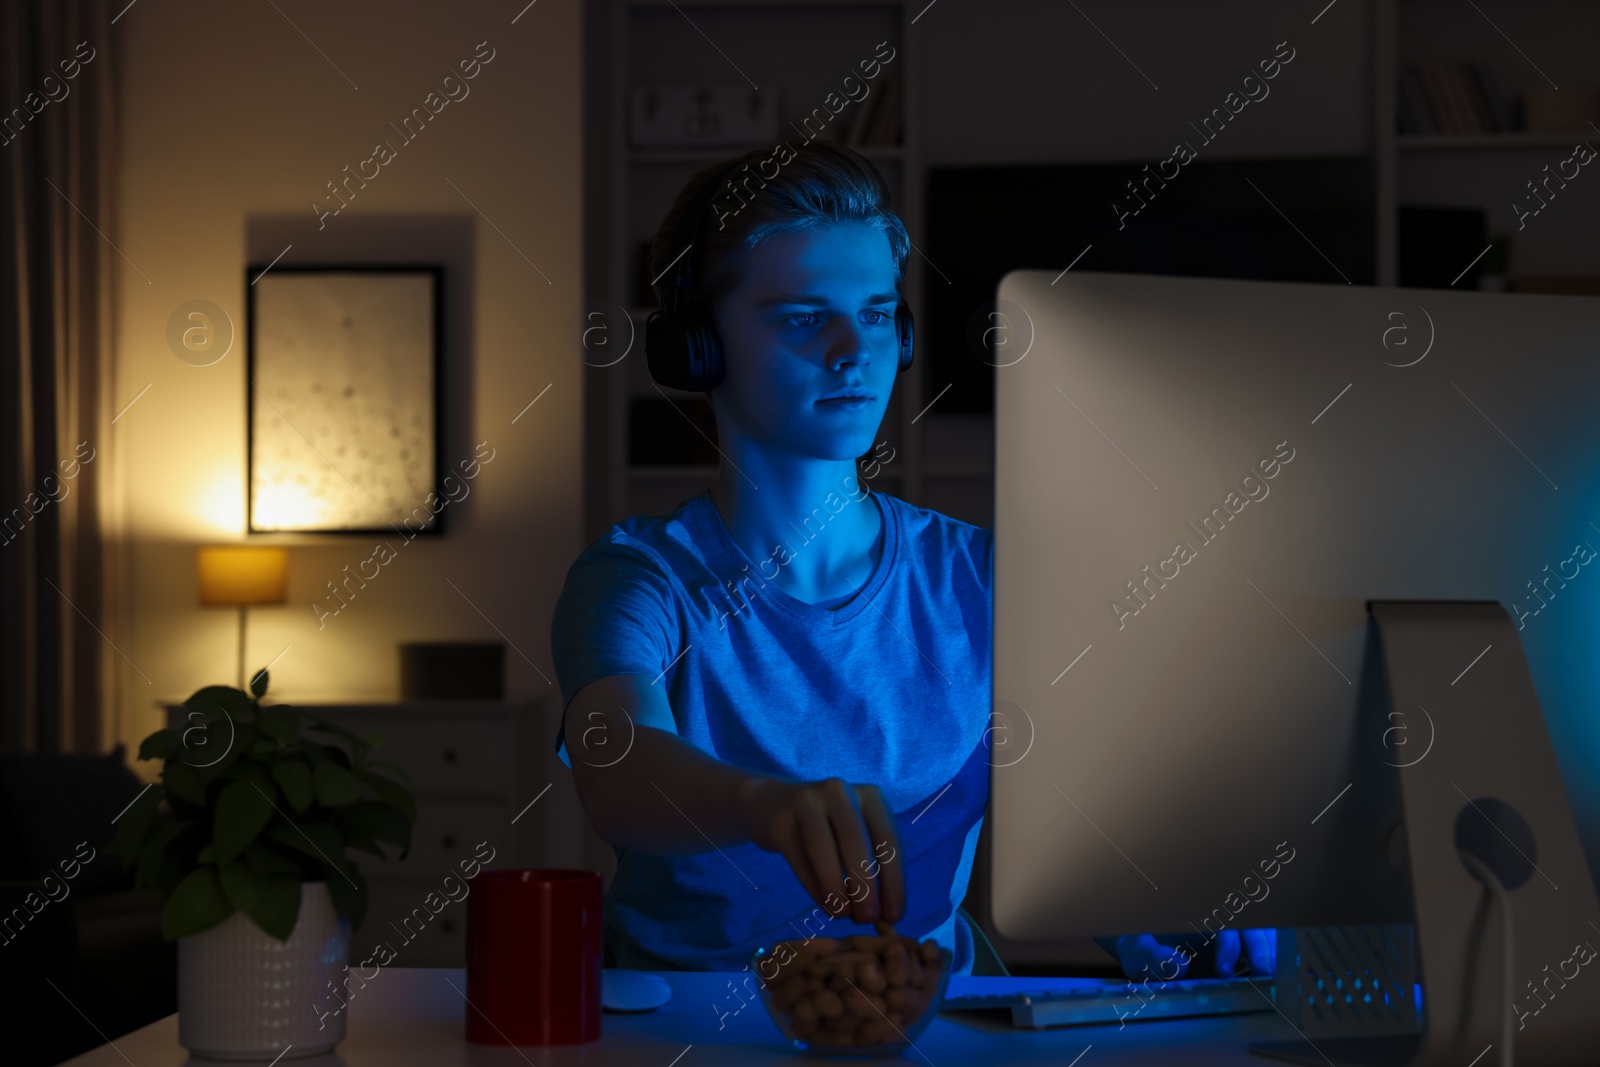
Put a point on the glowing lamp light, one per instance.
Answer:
(241, 577)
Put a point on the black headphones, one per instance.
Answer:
(680, 341)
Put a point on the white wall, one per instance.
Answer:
(232, 121)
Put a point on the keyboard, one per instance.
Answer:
(1039, 1003)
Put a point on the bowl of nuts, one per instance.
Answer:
(861, 995)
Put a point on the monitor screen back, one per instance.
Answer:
(1199, 484)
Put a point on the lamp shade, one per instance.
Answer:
(235, 576)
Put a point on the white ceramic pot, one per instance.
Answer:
(245, 995)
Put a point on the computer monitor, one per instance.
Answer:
(1200, 486)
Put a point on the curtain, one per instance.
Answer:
(57, 157)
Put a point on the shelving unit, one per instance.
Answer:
(945, 462)
(1484, 169)
(1488, 142)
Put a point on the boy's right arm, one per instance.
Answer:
(645, 788)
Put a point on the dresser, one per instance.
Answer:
(485, 777)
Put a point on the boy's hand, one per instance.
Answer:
(1145, 958)
(1259, 945)
(1148, 960)
(839, 839)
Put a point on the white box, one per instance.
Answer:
(682, 116)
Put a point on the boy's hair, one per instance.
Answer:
(823, 182)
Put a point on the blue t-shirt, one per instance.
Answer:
(892, 689)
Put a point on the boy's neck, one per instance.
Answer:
(817, 510)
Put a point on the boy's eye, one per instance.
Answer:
(875, 317)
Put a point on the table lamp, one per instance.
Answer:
(236, 576)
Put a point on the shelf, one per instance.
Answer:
(1487, 142)
(710, 154)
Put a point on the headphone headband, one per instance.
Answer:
(688, 235)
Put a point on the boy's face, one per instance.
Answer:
(811, 316)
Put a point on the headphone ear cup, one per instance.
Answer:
(705, 356)
(905, 327)
(666, 348)
(683, 351)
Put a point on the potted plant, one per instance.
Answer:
(246, 839)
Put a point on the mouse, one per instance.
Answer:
(625, 990)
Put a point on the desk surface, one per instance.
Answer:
(412, 1015)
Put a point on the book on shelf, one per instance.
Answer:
(864, 117)
(1453, 98)
(1416, 117)
(878, 122)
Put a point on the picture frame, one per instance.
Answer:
(344, 405)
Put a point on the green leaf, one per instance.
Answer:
(294, 778)
(133, 824)
(263, 749)
(319, 840)
(391, 793)
(314, 752)
(164, 829)
(336, 786)
(271, 900)
(219, 698)
(367, 845)
(374, 820)
(243, 811)
(265, 859)
(277, 904)
(183, 782)
(348, 887)
(251, 771)
(236, 738)
(168, 852)
(182, 809)
(206, 737)
(279, 723)
(159, 745)
(196, 904)
(399, 771)
(206, 855)
(320, 724)
(258, 682)
(238, 885)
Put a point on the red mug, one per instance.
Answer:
(533, 957)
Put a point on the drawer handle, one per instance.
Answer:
(449, 841)
(449, 755)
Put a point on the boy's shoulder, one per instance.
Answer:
(938, 534)
(655, 539)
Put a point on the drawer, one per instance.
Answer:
(446, 832)
(395, 916)
(470, 756)
(441, 754)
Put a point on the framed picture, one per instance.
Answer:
(344, 406)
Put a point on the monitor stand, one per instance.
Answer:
(1490, 788)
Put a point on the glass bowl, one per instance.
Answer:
(852, 996)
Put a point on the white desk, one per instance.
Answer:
(411, 1016)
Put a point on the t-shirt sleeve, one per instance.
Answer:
(615, 615)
